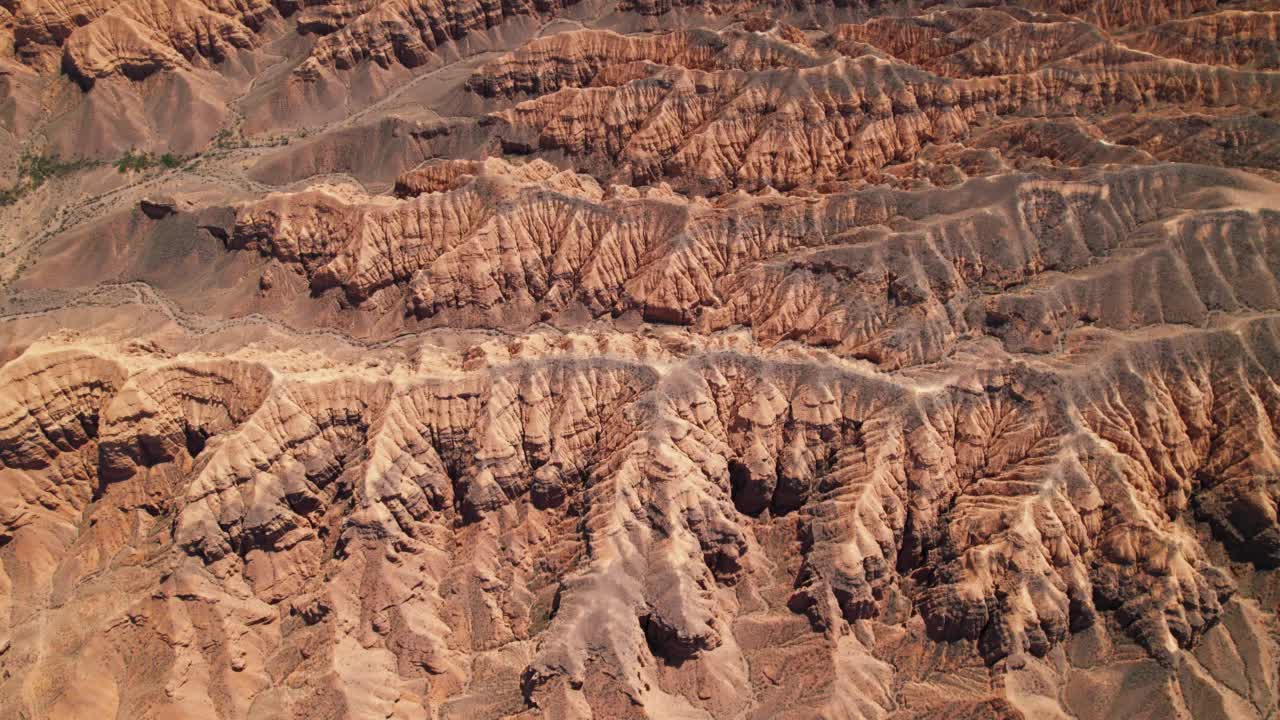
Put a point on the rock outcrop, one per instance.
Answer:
(403, 32)
(135, 38)
(596, 500)
(1237, 38)
(895, 277)
(141, 37)
(711, 131)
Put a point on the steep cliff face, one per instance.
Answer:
(644, 359)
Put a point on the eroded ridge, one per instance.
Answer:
(578, 507)
(897, 277)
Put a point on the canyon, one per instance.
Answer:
(639, 359)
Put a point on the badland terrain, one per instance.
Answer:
(639, 359)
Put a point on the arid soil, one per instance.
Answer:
(639, 359)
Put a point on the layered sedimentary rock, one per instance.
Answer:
(141, 37)
(578, 59)
(1236, 38)
(712, 131)
(407, 32)
(645, 359)
(574, 514)
(135, 38)
(896, 277)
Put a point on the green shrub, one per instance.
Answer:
(39, 168)
(133, 161)
(36, 169)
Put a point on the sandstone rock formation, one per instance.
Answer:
(675, 359)
(712, 131)
(574, 507)
(896, 277)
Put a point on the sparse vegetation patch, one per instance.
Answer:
(34, 169)
(139, 161)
